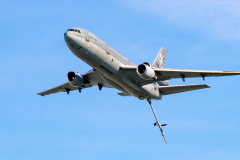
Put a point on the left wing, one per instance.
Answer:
(91, 78)
(163, 73)
(166, 74)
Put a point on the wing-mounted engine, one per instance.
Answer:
(145, 71)
(75, 79)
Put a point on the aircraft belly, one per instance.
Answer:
(153, 93)
(147, 91)
(109, 66)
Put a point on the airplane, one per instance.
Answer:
(111, 69)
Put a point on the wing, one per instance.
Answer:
(65, 87)
(166, 90)
(166, 74)
(91, 78)
(182, 73)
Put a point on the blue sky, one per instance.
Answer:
(93, 125)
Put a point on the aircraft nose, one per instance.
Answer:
(68, 37)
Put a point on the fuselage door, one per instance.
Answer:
(86, 36)
(107, 49)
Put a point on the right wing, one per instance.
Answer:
(166, 90)
(91, 78)
(65, 87)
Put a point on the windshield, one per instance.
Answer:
(74, 30)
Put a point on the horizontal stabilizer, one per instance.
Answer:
(165, 90)
(124, 94)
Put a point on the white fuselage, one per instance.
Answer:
(108, 62)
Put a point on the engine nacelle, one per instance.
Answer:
(145, 71)
(75, 79)
(148, 64)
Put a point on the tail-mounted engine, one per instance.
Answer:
(75, 79)
(145, 71)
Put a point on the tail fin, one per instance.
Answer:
(159, 62)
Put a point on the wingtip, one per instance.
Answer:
(208, 86)
(40, 94)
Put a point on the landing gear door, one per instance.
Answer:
(86, 36)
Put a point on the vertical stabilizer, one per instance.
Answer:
(159, 62)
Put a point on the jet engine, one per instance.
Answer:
(145, 71)
(75, 79)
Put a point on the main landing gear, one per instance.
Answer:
(157, 122)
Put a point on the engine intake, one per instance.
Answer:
(145, 71)
(148, 64)
(75, 79)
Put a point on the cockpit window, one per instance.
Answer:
(75, 30)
